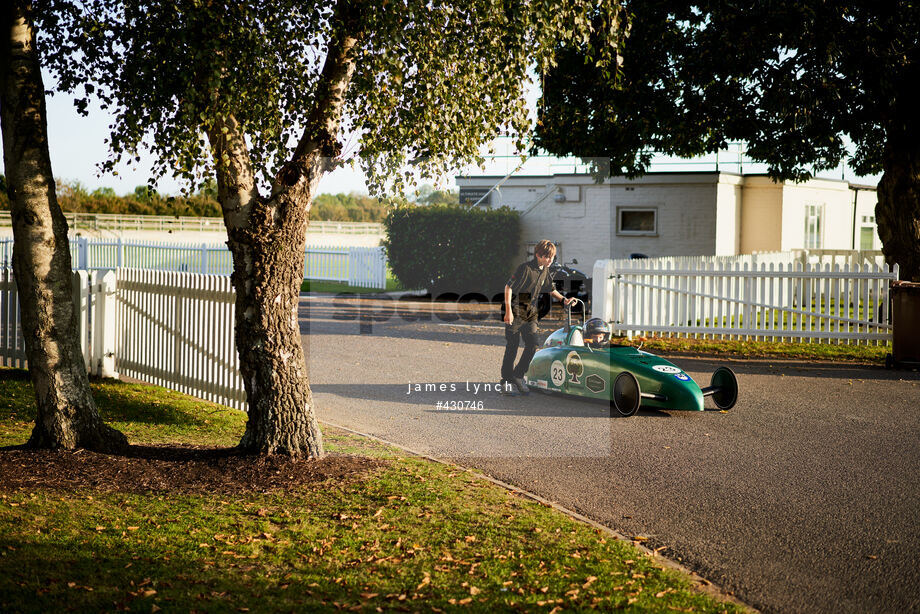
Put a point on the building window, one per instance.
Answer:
(866, 237)
(636, 221)
(813, 226)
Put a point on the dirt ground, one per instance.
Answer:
(174, 469)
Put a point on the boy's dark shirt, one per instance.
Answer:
(523, 284)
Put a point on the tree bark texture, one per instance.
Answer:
(897, 212)
(268, 260)
(67, 415)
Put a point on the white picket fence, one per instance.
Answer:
(12, 343)
(115, 222)
(169, 329)
(176, 330)
(741, 298)
(364, 267)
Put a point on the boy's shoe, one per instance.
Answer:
(507, 389)
(520, 385)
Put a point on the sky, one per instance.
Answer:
(77, 146)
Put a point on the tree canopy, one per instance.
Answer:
(806, 84)
(431, 83)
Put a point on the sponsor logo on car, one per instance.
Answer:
(595, 383)
(666, 369)
(574, 367)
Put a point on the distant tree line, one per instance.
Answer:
(353, 207)
(74, 197)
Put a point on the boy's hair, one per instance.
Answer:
(544, 248)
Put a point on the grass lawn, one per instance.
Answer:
(402, 534)
(762, 349)
(335, 287)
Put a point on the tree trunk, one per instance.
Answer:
(268, 260)
(897, 212)
(67, 416)
(267, 239)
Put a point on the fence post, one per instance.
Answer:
(104, 329)
(355, 263)
(204, 258)
(82, 253)
(602, 292)
(80, 300)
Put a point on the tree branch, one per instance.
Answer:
(319, 142)
(236, 184)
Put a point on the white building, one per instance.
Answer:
(681, 214)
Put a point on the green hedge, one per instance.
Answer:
(453, 249)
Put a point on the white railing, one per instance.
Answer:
(169, 329)
(12, 341)
(743, 299)
(357, 266)
(115, 222)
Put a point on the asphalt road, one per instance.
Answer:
(803, 498)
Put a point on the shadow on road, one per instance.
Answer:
(471, 323)
(464, 401)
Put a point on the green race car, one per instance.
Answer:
(625, 376)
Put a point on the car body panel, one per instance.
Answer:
(565, 366)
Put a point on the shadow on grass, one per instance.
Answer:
(69, 575)
(117, 401)
(124, 402)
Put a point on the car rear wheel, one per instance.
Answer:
(626, 394)
(727, 388)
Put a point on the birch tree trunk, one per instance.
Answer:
(67, 416)
(268, 258)
(267, 237)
